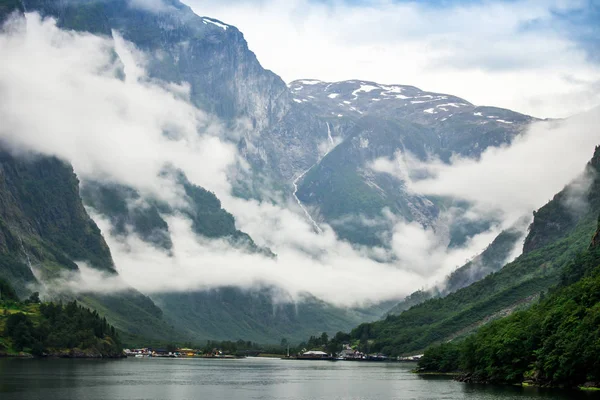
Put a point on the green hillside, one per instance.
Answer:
(43, 223)
(68, 330)
(490, 260)
(518, 283)
(230, 313)
(553, 343)
(44, 229)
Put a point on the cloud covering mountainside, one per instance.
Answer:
(89, 100)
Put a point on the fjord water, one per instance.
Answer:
(262, 379)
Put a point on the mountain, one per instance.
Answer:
(45, 230)
(43, 221)
(517, 284)
(553, 343)
(228, 313)
(492, 259)
(225, 79)
(380, 121)
(314, 142)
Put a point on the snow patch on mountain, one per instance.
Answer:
(216, 23)
(364, 88)
(310, 81)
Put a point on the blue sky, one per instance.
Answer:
(539, 57)
(581, 22)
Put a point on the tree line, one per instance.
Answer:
(43, 328)
(555, 342)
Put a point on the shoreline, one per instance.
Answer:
(62, 354)
(462, 378)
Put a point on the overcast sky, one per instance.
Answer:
(539, 57)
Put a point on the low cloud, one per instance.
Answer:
(62, 94)
(65, 94)
(576, 199)
(514, 180)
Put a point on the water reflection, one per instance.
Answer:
(176, 379)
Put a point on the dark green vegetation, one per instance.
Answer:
(7, 292)
(517, 284)
(555, 342)
(230, 313)
(43, 222)
(68, 330)
(329, 345)
(45, 228)
(127, 209)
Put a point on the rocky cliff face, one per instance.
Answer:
(224, 75)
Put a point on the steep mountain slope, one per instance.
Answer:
(519, 282)
(43, 222)
(553, 343)
(344, 188)
(224, 76)
(489, 261)
(45, 230)
(126, 210)
(229, 313)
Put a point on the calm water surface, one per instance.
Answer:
(263, 379)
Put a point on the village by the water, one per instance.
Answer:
(346, 354)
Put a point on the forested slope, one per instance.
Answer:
(64, 330)
(555, 342)
(519, 282)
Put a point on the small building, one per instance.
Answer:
(314, 355)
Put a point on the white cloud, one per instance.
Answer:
(509, 54)
(65, 94)
(515, 179)
(339, 274)
(62, 95)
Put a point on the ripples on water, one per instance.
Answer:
(261, 379)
